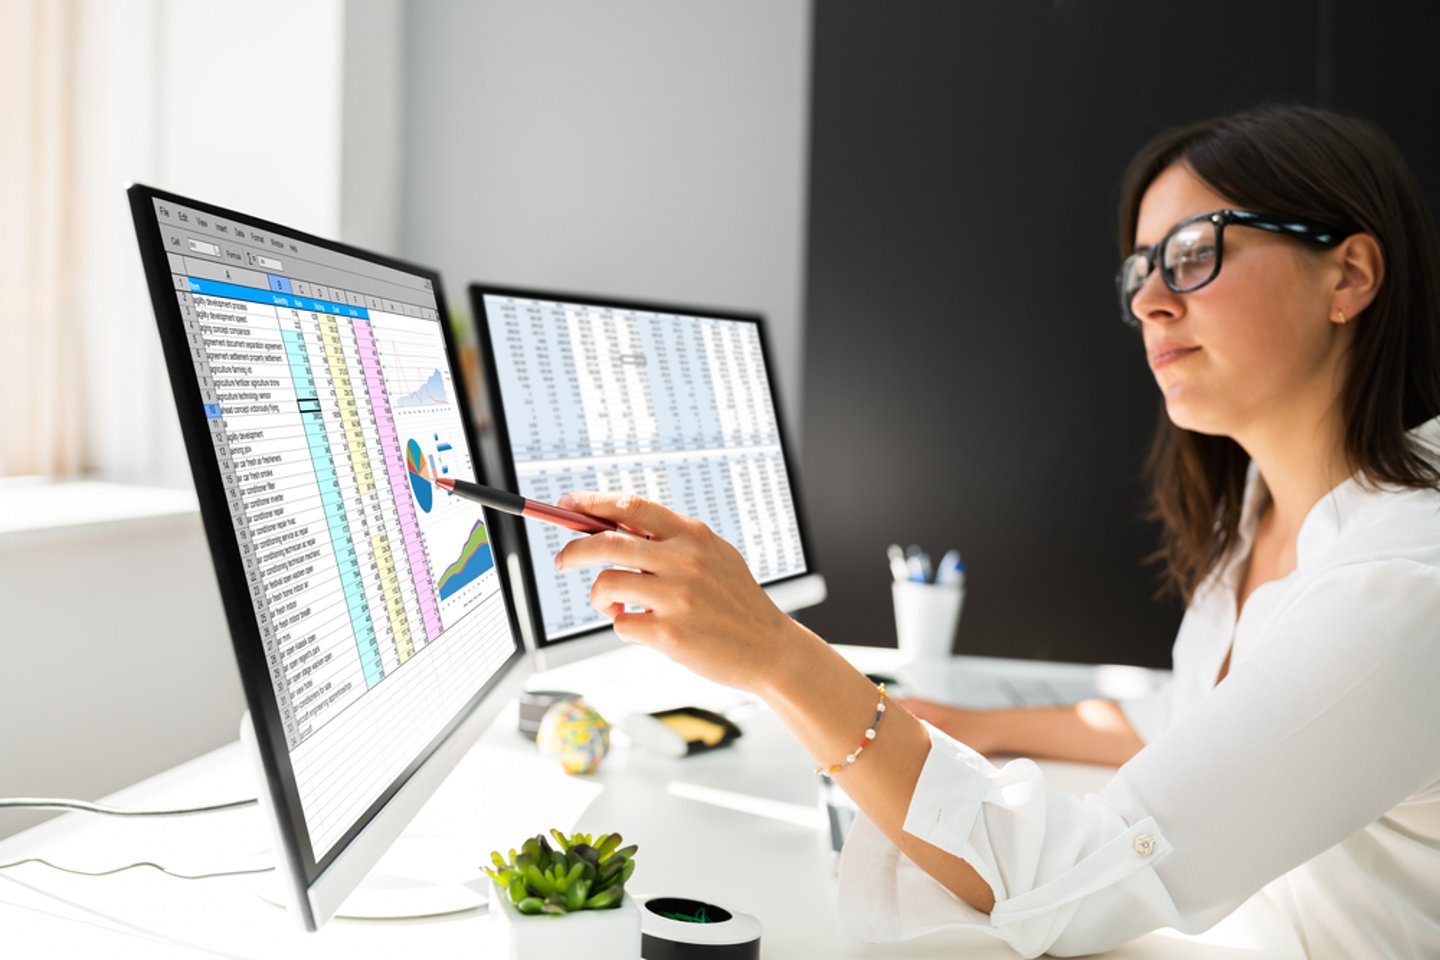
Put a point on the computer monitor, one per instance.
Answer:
(372, 626)
(676, 404)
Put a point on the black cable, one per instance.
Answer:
(132, 866)
(55, 803)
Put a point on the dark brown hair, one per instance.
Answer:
(1331, 169)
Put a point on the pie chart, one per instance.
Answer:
(419, 472)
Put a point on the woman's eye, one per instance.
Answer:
(1191, 255)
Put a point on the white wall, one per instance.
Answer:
(647, 148)
(372, 144)
(118, 658)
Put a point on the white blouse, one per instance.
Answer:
(1312, 770)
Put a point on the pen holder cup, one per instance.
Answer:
(926, 617)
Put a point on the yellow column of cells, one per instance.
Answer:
(390, 587)
(349, 409)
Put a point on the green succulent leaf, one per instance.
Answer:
(530, 905)
(538, 881)
(607, 843)
(576, 895)
(623, 852)
(605, 899)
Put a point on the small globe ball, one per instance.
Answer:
(575, 735)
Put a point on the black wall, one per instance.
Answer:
(967, 378)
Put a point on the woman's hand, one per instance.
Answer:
(702, 606)
(975, 728)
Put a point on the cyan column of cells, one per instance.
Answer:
(335, 519)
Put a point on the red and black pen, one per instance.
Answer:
(507, 502)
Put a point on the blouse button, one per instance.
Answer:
(1144, 844)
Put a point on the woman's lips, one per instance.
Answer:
(1167, 355)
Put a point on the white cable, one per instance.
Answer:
(132, 866)
(59, 803)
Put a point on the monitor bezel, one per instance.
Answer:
(601, 637)
(284, 802)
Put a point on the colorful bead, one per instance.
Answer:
(869, 736)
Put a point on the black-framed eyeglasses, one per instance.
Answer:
(1189, 255)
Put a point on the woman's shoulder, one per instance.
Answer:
(1390, 524)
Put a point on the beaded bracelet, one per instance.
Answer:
(869, 735)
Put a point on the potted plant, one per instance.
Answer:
(547, 898)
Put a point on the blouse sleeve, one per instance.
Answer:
(1320, 731)
(1149, 715)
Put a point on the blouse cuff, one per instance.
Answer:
(1042, 855)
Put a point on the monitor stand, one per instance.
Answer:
(401, 886)
(394, 890)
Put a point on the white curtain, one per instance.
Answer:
(40, 378)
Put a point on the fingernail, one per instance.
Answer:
(558, 564)
(566, 501)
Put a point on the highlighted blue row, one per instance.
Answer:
(212, 411)
(214, 288)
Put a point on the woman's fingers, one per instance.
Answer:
(613, 549)
(634, 513)
(638, 628)
(625, 587)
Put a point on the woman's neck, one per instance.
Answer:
(1300, 463)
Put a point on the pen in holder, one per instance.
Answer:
(926, 618)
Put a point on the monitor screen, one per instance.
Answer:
(673, 404)
(319, 402)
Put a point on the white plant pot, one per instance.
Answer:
(612, 934)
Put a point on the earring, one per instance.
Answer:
(1340, 314)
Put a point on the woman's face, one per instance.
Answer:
(1254, 346)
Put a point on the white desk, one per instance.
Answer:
(740, 827)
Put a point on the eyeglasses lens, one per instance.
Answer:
(1133, 273)
(1190, 255)
(1188, 259)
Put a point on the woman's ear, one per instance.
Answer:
(1362, 270)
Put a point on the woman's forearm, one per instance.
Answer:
(828, 705)
(1092, 731)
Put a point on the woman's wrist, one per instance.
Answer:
(795, 654)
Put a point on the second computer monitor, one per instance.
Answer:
(675, 404)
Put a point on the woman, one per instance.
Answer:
(1283, 273)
